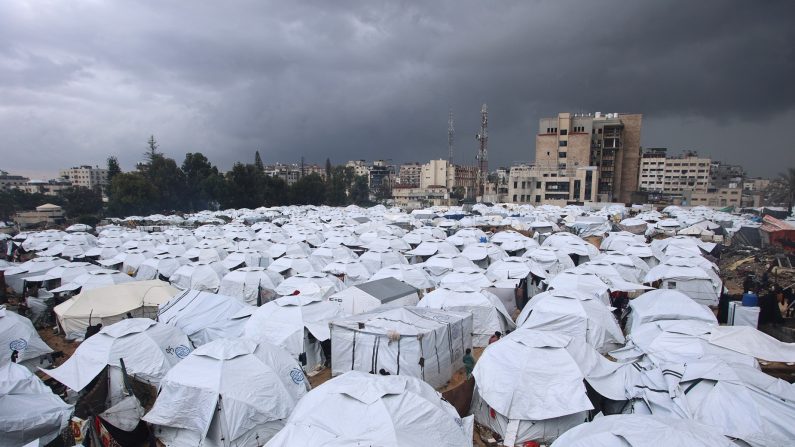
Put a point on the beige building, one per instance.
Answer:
(721, 197)
(412, 197)
(440, 172)
(674, 174)
(86, 176)
(9, 181)
(539, 185)
(359, 167)
(47, 214)
(409, 174)
(47, 187)
(610, 142)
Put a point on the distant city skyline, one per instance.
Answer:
(83, 80)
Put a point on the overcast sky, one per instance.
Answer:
(81, 80)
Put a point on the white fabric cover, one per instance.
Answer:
(364, 409)
(635, 430)
(255, 385)
(250, 283)
(488, 313)
(149, 349)
(108, 305)
(573, 313)
(199, 275)
(205, 316)
(666, 304)
(413, 275)
(285, 321)
(28, 408)
(18, 334)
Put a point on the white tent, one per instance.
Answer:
(368, 296)
(148, 348)
(692, 281)
(630, 267)
(351, 271)
(483, 254)
(473, 277)
(413, 275)
(163, 265)
(550, 259)
(205, 316)
(199, 275)
(108, 305)
(637, 430)
(291, 265)
(227, 392)
(365, 409)
(94, 279)
(63, 273)
(15, 276)
(327, 284)
(328, 253)
(488, 313)
(529, 385)
(30, 412)
(248, 257)
(18, 334)
(254, 285)
(666, 304)
(422, 343)
(376, 259)
(439, 265)
(574, 313)
(296, 323)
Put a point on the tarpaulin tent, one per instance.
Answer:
(365, 409)
(227, 392)
(368, 296)
(205, 316)
(422, 343)
(18, 334)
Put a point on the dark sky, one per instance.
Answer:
(81, 80)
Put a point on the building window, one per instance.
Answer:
(563, 143)
(538, 185)
(514, 197)
(538, 199)
(561, 155)
(564, 131)
(515, 186)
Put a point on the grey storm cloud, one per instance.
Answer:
(82, 80)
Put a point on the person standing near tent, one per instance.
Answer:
(469, 362)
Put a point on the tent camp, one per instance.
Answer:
(15, 276)
(229, 392)
(413, 275)
(299, 324)
(365, 409)
(199, 275)
(107, 305)
(422, 343)
(370, 295)
(205, 316)
(254, 285)
(666, 304)
(694, 282)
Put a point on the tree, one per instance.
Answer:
(308, 190)
(360, 191)
(80, 201)
(204, 185)
(132, 193)
(258, 162)
(169, 182)
(788, 181)
(781, 190)
(336, 187)
(328, 169)
(113, 168)
(151, 149)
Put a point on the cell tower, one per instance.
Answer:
(450, 137)
(483, 150)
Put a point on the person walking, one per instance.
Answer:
(469, 362)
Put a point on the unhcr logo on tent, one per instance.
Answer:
(18, 345)
(297, 375)
(182, 351)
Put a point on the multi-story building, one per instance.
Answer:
(289, 173)
(461, 180)
(674, 174)
(86, 176)
(379, 178)
(409, 174)
(540, 185)
(723, 175)
(413, 197)
(610, 142)
(721, 197)
(315, 169)
(359, 167)
(52, 187)
(10, 181)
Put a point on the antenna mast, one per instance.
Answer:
(483, 150)
(450, 137)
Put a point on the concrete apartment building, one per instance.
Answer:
(441, 173)
(539, 185)
(610, 142)
(86, 176)
(10, 181)
(409, 174)
(662, 173)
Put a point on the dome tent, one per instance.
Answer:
(364, 409)
(227, 392)
(18, 334)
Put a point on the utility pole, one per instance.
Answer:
(483, 150)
